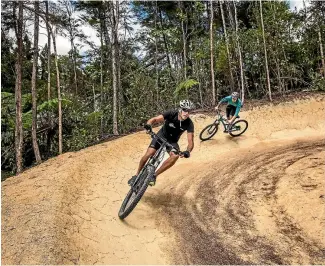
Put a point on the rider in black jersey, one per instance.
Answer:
(176, 122)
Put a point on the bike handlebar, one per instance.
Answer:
(219, 111)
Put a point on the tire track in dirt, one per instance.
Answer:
(218, 224)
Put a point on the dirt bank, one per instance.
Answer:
(254, 199)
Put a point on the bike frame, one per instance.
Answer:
(157, 158)
(220, 119)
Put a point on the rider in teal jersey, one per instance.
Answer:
(233, 107)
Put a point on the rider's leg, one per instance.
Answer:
(144, 159)
(150, 152)
(228, 110)
(168, 163)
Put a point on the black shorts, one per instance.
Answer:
(155, 143)
(230, 110)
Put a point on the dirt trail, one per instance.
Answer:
(254, 199)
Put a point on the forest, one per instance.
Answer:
(150, 54)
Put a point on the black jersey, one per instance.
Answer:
(174, 128)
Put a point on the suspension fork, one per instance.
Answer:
(154, 160)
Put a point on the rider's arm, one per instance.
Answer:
(156, 119)
(223, 100)
(238, 108)
(190, 141)
(190, 137)
(226, 99)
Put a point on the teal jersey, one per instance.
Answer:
(237, 104)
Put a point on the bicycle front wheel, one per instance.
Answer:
(136, 192)
(208, 132)
(238, 128)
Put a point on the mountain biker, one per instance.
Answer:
(176, 122)
(233, 107)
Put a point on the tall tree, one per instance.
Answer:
(166, 44)
(232, 84)
(48, 51)
(19, 61)
(101, 29)
(265, 54)
(212, 55)
(183, 16)
(240, 56)
(72, 28)
(232, 25)
(156, 53)
(34, 78)
(319, 12)
(115, 61)
(321, 49)
(58, 88)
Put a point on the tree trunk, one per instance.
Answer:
(278, 74)
(233, 28)
(180, 4)
(19, 126)
(34, 78)
(48, 52)
(265, 54)
(240, 57)
(59, 92)
(74, 64)
(231, 19)
(200, 83)
(321, 50)
(166, 45)
(276, 52)
(232, 84)
(212, 55)
(106, 6)
(156, 56)
(93, 87)
(101, 75)
(119, 87)
(69, 10)
(115, 17)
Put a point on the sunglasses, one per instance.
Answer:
(185, 110)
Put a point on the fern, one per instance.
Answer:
(185, 86)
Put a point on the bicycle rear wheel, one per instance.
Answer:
(208, 132)
(238, 128)
(136, 192)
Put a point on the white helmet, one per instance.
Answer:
(235, 94)
(186, 104)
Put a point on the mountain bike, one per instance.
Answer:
(236, 129)
(140, 184)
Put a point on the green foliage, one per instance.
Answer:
(52, 105)
(222, 62)
(152, 65)
(183, 88)
(318, 82)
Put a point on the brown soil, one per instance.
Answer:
(256, 199)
